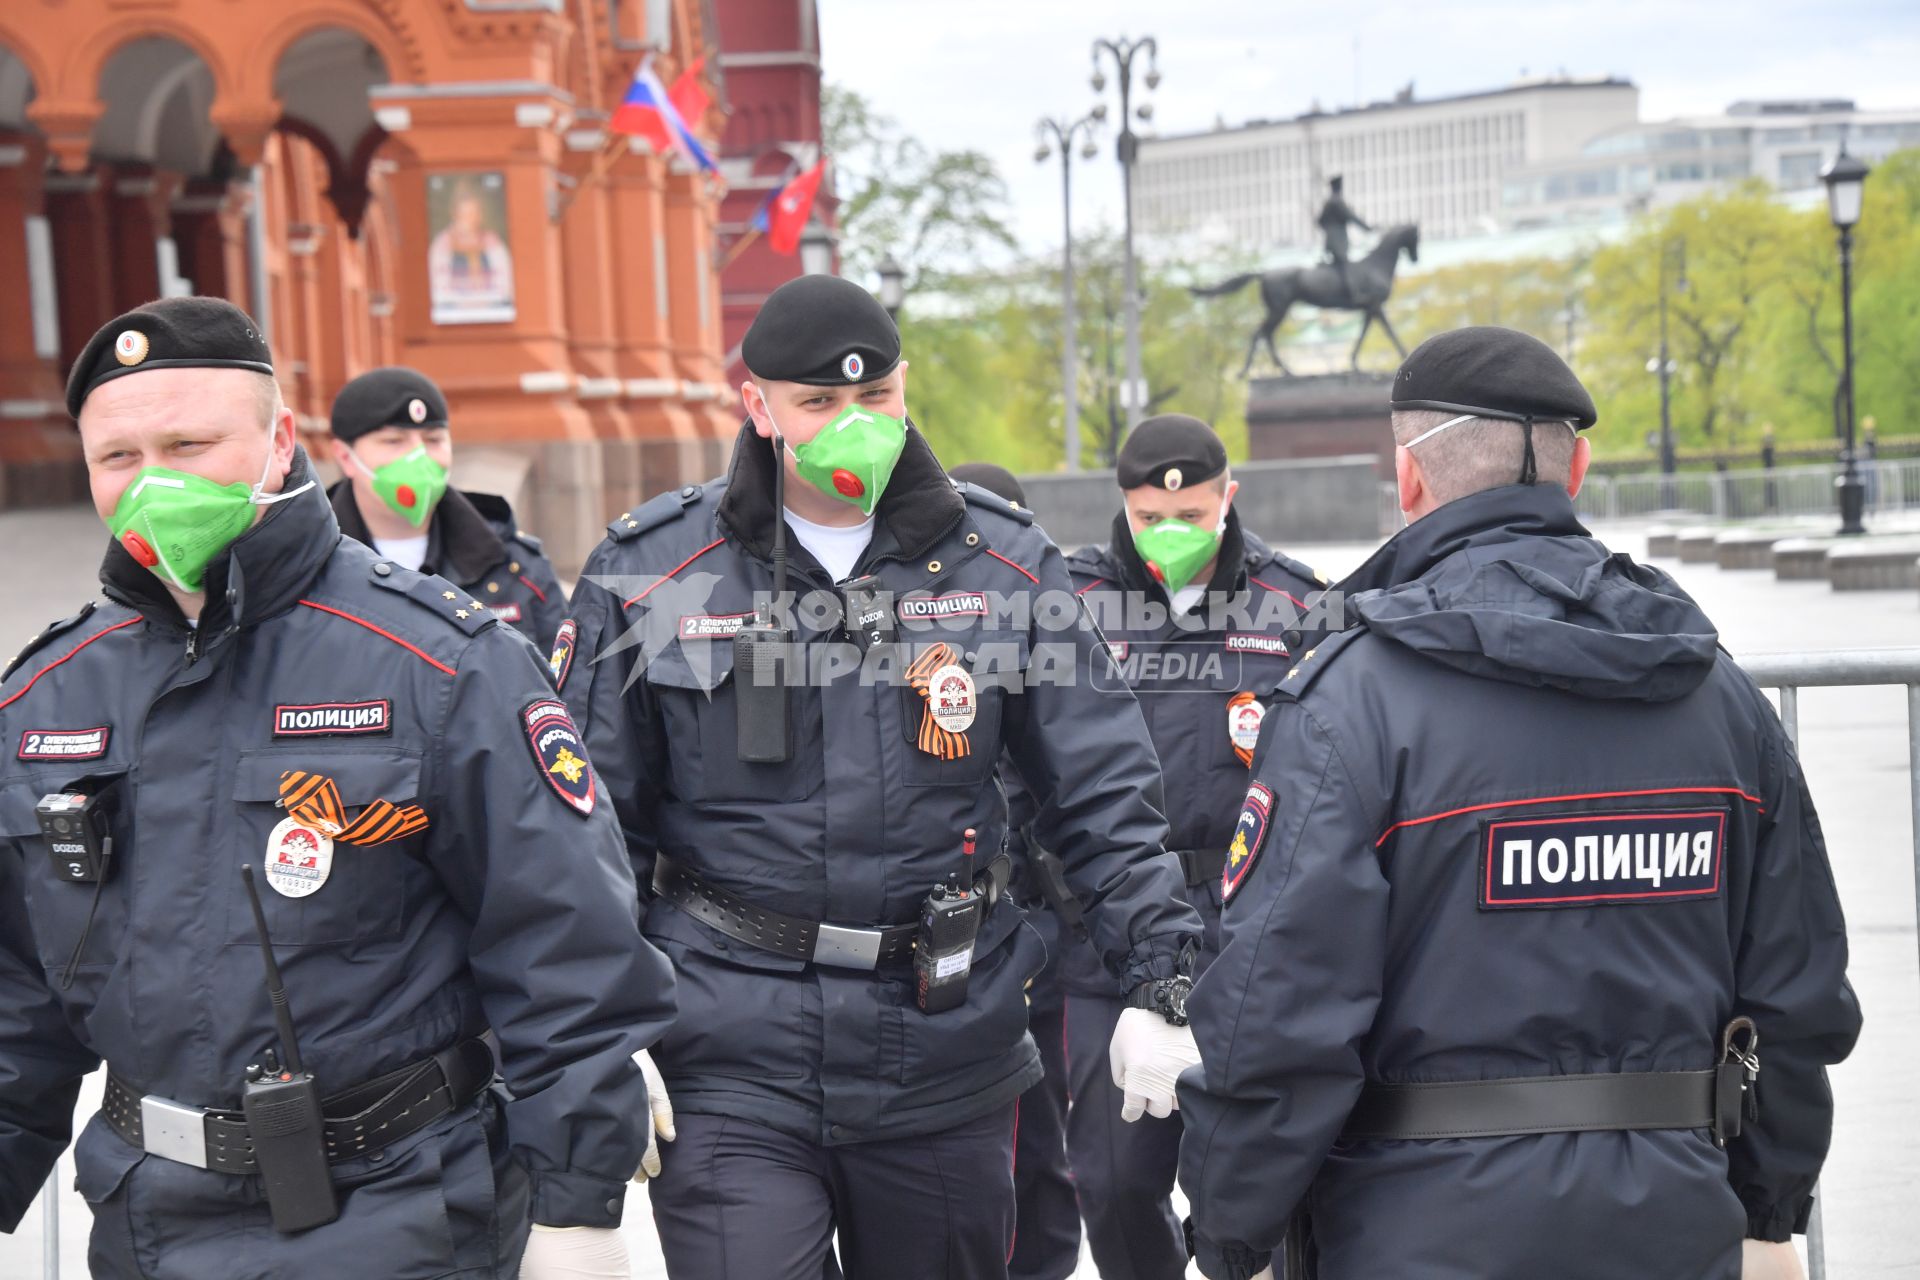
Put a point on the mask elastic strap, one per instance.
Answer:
(1434, 431)
(259, 498)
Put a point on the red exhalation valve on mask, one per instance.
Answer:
(848, 483)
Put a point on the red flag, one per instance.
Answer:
(792, 209)
(689, 95)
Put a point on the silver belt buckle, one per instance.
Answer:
(847, 948)
(174, 1131)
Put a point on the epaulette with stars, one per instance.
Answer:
(1298, 569)
(436, 595)
(983, 497)
(54, 631)
(653, 513)
(1308, 666)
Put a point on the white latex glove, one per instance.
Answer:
(575, 1253)
(662, 1108)
(1769, 1260)
(1147, 1055)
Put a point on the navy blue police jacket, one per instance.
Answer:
(1522, 817)
(474, 542)
(860, 822)
(512, 909)
(1187, 672)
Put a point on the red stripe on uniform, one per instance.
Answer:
(1297, 601)
(677, 568)
(531, 587)
(1590, 795)
(1090, 586)
(415, 651)
(1016, 568)
(57, 661)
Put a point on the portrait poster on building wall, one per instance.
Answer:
(469, 268)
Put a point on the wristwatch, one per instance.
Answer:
(1165, 996)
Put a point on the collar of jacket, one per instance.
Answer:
(918, 508)
(1229, 570)
(1503, 514)
(461, 545)
(264, 572)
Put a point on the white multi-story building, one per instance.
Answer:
(1442, 162)
(1783, 143)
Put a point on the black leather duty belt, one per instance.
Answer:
(359, 1121)
(793, 936)
(1717, 1099)
(1202, 866)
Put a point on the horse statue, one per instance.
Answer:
(1371, 279)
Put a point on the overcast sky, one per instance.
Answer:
(979, 74)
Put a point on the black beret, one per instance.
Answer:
(1492, 373)
(993, 478)
(390, 397)
(172, 333)
(1169, 452)
(823, 331)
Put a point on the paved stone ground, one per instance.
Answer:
(1854, 744)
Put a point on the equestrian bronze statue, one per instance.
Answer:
(1364, 287)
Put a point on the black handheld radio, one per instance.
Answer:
(282, 1105)
(943, 949)
(761, 724)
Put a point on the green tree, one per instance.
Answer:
(936, 212)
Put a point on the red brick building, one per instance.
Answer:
(771, 56)
(377, 181)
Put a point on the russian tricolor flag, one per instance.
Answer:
(648, 112)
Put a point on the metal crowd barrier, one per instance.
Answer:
(1789, 673)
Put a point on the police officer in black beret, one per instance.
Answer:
(428, 840)
(394, 446)
(1525, 890)
(1194, 605)
(798, 681)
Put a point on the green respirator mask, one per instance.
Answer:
(411, 485)
(175, 523)
(853, 456)
(1175, 551)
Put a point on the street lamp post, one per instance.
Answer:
(1846, 179)
(1128, 146)
(816, 250)
(893, 286)
(1062, 136)
(1663, 365)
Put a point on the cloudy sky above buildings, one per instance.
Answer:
(979, 74)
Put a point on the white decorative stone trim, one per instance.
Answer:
(11, 156)
(20, 410)
(542, 382)
(696, 391)
(652, 388)
(532, 115)
(585, 140)
(393, 119)
(600, 388)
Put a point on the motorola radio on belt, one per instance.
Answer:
(282, 1106)
(943, 950)
(762, 726)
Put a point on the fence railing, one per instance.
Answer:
(1792, 672)
(1789, 673)
(1892, 485)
